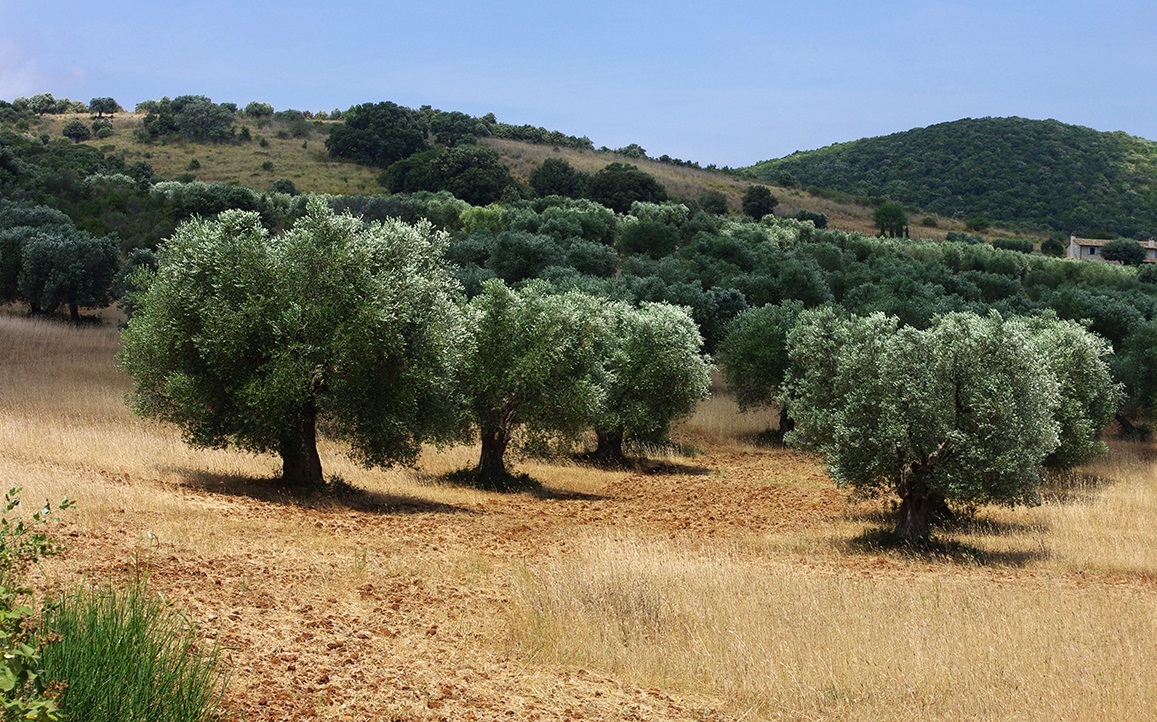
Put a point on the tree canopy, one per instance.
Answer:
(967, 410)
(377, 134)
(532, 366)
(248, 339)
(1124, 250)
(653, 371)
(758, 201)
(891, 219)
(618, 185)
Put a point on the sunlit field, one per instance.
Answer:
(723, 580)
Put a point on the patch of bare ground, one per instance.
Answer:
(734, 582)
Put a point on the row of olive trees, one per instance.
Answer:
(970, 410)
(248, 339)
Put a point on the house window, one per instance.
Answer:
(1093, 251)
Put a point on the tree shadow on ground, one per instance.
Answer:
(515, 484)
(963, 522)
(336, 494)
(936, 549)
(641, 465)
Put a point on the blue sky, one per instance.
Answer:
(729, 83)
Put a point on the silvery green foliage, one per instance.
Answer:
(533, 358)
(238, 331)
(788, 232)
(963, 411)
(668, 212)
(1089, 397)
(67, 267)
(654, 370)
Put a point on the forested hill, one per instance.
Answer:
(1035, 173)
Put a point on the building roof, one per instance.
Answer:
(1149, 245)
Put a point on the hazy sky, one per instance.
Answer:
(729, 83)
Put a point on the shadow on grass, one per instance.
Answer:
(335, 494)
(880, 540)
(515, 484)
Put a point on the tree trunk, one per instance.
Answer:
(785, 422)
(912, 521)
(74, 312)
(610, 448)
(1131, 431)
(491, 469)
(300, 463)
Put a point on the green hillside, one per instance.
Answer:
(1034, 173)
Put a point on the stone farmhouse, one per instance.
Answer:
(1089, 249)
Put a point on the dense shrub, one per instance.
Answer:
(1020, 245)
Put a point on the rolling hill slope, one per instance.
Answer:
(1035, 173)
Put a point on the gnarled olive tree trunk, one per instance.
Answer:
(610, 447)
(300, 463)
(491, 470)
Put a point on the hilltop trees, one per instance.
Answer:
(251, 340)
(100, 106)
(377, 134)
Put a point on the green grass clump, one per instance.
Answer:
(124, 656)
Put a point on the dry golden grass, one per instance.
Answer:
(302, 160)
(1041, 613)
(782, 641)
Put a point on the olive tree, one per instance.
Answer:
(758, 201)
(891, 219)
(754, 357)
(532, 366)
(100, 106)
(1089, 397)
(1125, 250)
(256, 341)
(962, 411)
(653, 370)
(67, 267)
(76, 131)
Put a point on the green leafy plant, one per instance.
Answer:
(24, 691)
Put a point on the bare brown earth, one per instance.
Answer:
(403, 645)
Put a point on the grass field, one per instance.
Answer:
(733, 583)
